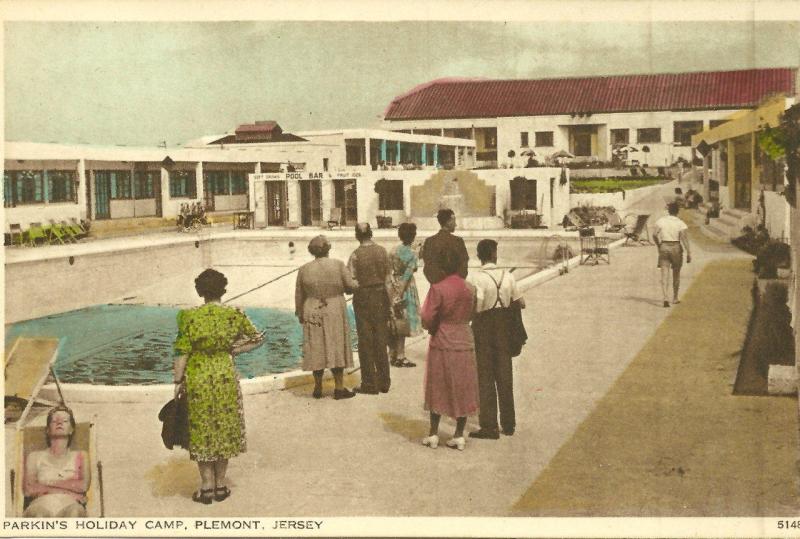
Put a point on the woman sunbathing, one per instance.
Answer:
(57, 478)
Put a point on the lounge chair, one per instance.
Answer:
(78, 228)
(639, 235)
(574, 222)
(58, 233)
(72, 234)
(614, 222)
(16, 237)
(335, 219)
(32, 438)
(37, 232)
(28, 363)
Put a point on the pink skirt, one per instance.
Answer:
(451, 382)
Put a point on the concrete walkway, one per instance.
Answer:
(363, 456)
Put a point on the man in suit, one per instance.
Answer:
(435, 247)
(369, 265)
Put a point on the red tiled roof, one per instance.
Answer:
(474, 98)
(263, 126)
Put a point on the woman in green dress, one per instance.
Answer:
(208, 337)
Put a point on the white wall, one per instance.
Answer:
(616, 200)
(230, 202)
(777, 215)
(41, 213)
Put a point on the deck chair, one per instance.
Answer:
(335, 218)
(70, 231)
(575, 222)
(28, 363)
(32, 438)
(16, 237)
(614, 222)
(36, 232)
(57, 233)
(640, 235)
(78, 228)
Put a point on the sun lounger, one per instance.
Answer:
(614, 222)
(574, 222)
(58, 233)
(32, 438)
(639, 235)
(35, 233)
(28, 363)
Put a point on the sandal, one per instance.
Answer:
(405, 363)
(220, 493)
(203, 496)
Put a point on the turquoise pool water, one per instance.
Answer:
(132, 344)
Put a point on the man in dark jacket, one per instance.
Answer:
(369, 265)
(443, 241)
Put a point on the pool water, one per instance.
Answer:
(132, 344)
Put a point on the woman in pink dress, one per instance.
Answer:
(451, 375)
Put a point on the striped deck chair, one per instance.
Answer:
(28, 363)
(640, 235)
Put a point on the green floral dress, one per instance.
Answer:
(206, 335)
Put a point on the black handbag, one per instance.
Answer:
(175, 418)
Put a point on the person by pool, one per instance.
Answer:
(208, 337)
(58, 477)
(405, 298)
(320, 307)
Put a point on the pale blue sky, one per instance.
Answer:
(140, 83)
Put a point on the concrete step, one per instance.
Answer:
(734, 213)
(715, 233)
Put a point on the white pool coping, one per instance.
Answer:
(91, 393)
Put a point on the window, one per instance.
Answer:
(523, 194)
(217, 182)
(391, 196)
(120, 185)
(716, 123)
(683, 131)
(182, 184)
(61, 186)
(238, 183)
(620, 137)
(23, 187)
(143, 184)
(325, 164)
(544, 138)
(523, 139)
(650, 134)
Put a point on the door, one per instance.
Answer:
(276, 203)
(157, 193)
(310, 202)
(345, 197)
(582, 144)
(209, 188)
(102, 195)
(742, 179)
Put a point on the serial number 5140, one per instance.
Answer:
(789, 524)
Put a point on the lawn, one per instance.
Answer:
(611, 185)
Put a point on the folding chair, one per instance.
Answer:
(28, 363)
(57, 233)
(32, 438)
(15, 233)
(614, 222)
(594, 249)
(71, 234)
(575, 222)
(640, 235)
(335, 218)
(78, 228)
(37, 232)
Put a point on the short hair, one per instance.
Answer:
(486, 248)
(53, 411)
(678, 191)
(407, 232)
(444, 216)
(291, 244)
(363, 231)
(673, 208)
(450, 262)
(319, 246)
(210, 284)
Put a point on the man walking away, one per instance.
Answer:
(435, 248)
(496, 289)
(369, 265)
(672, 238)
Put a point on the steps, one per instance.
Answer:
(727, 226)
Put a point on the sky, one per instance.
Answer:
(141, 83)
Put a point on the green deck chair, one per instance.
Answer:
(79, 230)
(56, 233)
(35, 232)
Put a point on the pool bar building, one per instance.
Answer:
(304, 179)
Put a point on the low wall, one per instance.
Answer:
(617, 200)
(776, 215)
(41, 213)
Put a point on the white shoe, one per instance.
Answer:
(457, 443)
(431, 441)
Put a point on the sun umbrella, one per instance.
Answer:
(562, 153)
(528, 152)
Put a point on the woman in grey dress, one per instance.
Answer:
(321, 309)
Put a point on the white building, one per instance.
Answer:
(646, 119)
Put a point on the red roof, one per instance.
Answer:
(474, 98)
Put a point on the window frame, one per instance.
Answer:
(682, 133)
(541, 138)
(68, 188)
(626, 130)
(524, 139)
(181, 177)
(528, 197)
(642, 130)
(392, 197)
(121, 185)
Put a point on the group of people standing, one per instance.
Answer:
(468, 366)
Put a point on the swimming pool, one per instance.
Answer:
(132, 344)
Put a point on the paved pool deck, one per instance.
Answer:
(587, 331)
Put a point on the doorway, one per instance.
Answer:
(276, 203)
(580, 139)
(310, 203)
(345, 197)
(742, 175)
(102, 195)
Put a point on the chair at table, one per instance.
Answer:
(335, 219)
(640, 235)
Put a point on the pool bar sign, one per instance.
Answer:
(285, 176)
